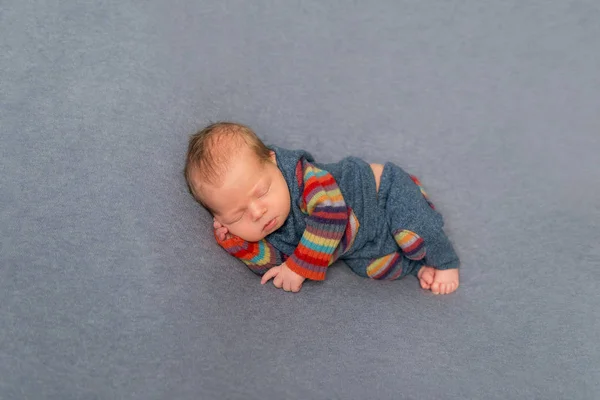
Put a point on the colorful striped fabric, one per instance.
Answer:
(326, 221)
(331, 228)
(412, 245)
(387, 267)
(349, 236)
(258, 256)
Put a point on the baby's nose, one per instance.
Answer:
(258, 210)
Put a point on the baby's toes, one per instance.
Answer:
(435, 287)
(453, 287)
(444, 288)
(426, 277)
(449, 288)
(424, 284)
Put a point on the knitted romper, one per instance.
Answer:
(389, 233)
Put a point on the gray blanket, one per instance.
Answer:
(111, 285)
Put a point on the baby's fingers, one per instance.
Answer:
(269, 275)
(222, 233)
(296, 287)
(287, 286)
(278, 281)
(218, 225)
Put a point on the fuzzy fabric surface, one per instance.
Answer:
(112, 285)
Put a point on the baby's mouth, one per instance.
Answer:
(270, 224)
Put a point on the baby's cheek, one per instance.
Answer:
(232, 229)
(246, 233)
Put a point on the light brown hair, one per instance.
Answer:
(211, 149)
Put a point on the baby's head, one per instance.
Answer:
(235, 176)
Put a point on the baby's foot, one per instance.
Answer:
(445, 281)
(426, 275)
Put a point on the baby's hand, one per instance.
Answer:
(284, 278)
(221, 231)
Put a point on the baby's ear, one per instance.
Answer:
(272, 156)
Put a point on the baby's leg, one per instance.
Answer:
(389, 267)
(418, 229)
(377, 171)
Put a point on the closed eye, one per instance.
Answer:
(264, 193)
(236, 220)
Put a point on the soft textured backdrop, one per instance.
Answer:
(111, 285)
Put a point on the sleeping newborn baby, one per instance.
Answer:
(288, 218)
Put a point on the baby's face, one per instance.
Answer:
(253, 200)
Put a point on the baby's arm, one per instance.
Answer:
(259, 257)
(327, 217)
(285, 278)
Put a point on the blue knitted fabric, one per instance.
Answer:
(286, 238)
(399, 205)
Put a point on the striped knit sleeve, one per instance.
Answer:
(258, 256)
(327, 217)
